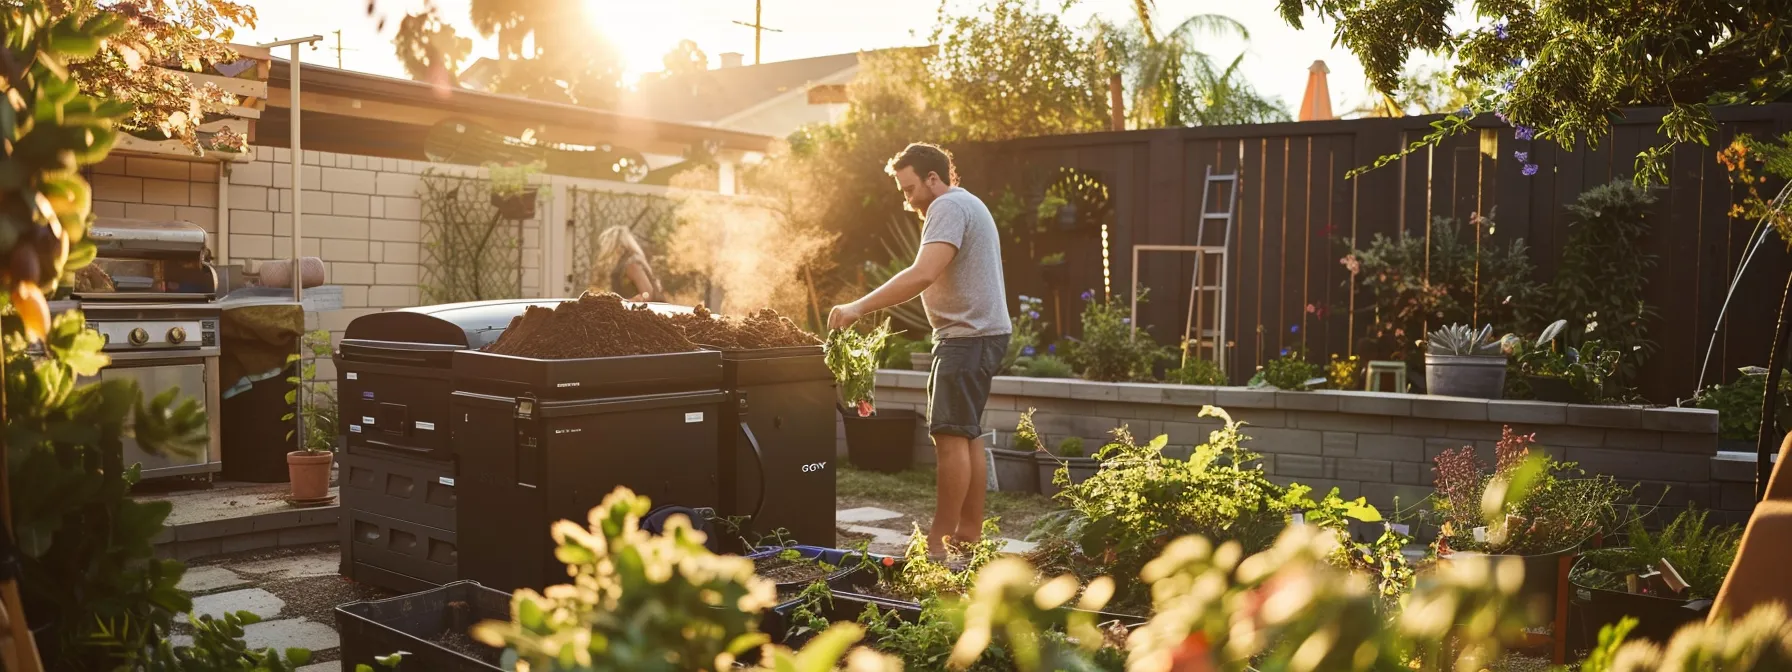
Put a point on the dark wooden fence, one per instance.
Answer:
(1294, 202)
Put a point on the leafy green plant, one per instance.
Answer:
(1462, 340)
(1738, 404)
(852, 356)
(901, 247)
(218, 647)
(1604, 272)
(640, 601)
(898, 347)
(511, 178)
(1589, 369)
(1291, 372)
(1344, 373)
(1702, 555)
(316, 399)
(1196, 371)
(1046, 366)
(1562, 508)
(1110, 349)
(1023, 342)
(1071, 446)
(1026, 437)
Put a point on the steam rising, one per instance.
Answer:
(755, 256)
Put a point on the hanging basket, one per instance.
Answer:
(519, 205)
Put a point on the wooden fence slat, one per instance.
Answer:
(1297, 216)
(1247, 346)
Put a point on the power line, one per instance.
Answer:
(758, 26)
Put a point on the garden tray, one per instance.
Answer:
(417, 624)
(1658, 618)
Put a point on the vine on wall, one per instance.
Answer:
(470, 252)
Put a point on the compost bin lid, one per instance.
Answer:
(474, 324)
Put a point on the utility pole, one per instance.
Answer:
(758, 27)
(338, 49)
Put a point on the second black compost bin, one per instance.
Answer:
(546, 440)
(778, 463)
(398, 472)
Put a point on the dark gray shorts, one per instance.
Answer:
(958, 388)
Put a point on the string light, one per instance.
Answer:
(1107, 281)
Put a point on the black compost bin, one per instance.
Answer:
(540, 441)
(394, 382)
(777, 464)
(255, 435)
(430, 627)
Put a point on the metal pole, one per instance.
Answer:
(298, 184)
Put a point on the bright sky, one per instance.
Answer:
(1276, 59)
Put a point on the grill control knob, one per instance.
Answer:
(177, 335)
(139, 336)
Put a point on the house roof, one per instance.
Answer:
(410, 102)
(713, 95)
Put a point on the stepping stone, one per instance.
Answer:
(254, 600)
(294, 567)
(865, 514)
(332, 666)
(1016, 545)
(880, 535)
(289, 633)
(210, 579)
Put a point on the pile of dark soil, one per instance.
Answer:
(763, 330)
(462, 643)
(596, 325)
(792, 576)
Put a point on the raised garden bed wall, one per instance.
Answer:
(1374, 445)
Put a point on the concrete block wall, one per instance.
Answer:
(1374, 445)
(140, 187)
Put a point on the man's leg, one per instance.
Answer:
(952, 454)
(970, 516)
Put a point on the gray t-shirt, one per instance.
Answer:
(969, 298)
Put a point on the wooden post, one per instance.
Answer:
(1117, 102)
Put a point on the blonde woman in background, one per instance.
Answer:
(619, 257)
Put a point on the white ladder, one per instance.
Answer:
(1204, 334)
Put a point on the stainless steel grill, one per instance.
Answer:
(150, 293)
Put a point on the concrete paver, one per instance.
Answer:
(332, 666)
(253, 600)
(292, 567)
(290, 633)
(865, 514)
(210, 579)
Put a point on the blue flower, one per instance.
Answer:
(1033, 314)
(1053, 348)
(1530, 169)
(1465, 111)
(1499, 31)
(1524, 132)
(1294, 329)
(1284, 352)
(1508, 85)
(1126, 321)
(1516, 62)
(1088, 295)
(1028, 351)
(1523, 157)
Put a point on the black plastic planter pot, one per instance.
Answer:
(884, 442)
(1658, 618)
(845, 563)
(417, 623)
(1554, 389)
(1015, 470)
(1542, 577)
(1047, 464)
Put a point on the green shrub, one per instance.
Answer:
(1071, 446)
(1290, 372)
(1109, 349)
(1702, 555)
(1738, 404)
(1196, 371)
(1046, 366)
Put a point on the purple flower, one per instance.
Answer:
(1516, 62)
(1284, 352)
(1523, 157)
(1524, 132)
(1034, 314)
(1028, 351)
(1088, 295)
(1499, 31)
(1053, 348)
(1465, 111)
(1126, 321)
(1508, 85)
(1501, 115)
(1530, 169)
(1294, 329)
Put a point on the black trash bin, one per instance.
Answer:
(398, 472)
(540, 441)
(778, 460)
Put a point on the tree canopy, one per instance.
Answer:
(1563, 69)
(550, 50)
(430, 50)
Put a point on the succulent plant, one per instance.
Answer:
(1463, 340)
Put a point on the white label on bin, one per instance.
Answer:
(571, 384)
(693, 417)
(354, 376)
(1400, 529)
(426, 425)
(354, 429)
(367, 421)
(446, 481)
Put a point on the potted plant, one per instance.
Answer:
(1069, 457)
(1014, 467)
(1561, 510)
(1290, 372)
(1052, 267)
(1461, 362)
(876, 441)
(1611, 584)
(314, 404)
(1567, 374)
(920, 358)
(512, 194)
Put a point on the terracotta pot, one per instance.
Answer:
(310, 473)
